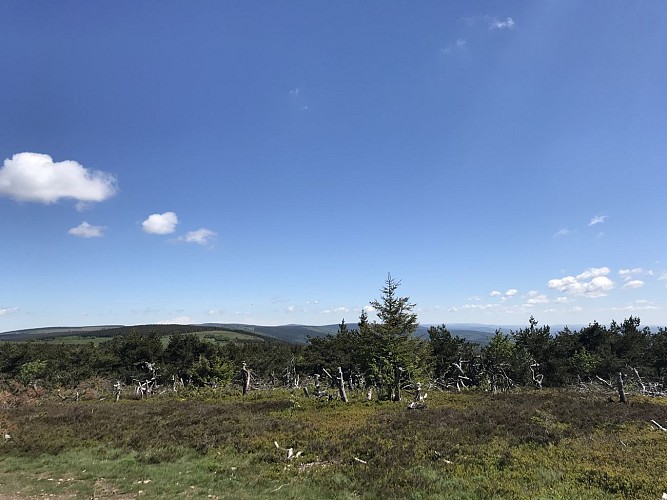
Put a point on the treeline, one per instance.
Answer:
(186, 357)
(382, 355)
(366, 358)
(530, 356)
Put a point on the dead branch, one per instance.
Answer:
(660, 427)
(639, 379)
(290, 451)
(537, 378)
(341, 385)
(608, 384)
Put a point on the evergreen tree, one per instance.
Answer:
(391, 353)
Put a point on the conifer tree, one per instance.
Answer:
(392, 354)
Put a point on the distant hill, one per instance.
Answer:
(294, 334)
(110, 331)
(298, 334)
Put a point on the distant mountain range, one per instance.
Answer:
(296, 334)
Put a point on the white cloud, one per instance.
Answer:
(562, 300)
(160, 223)
(8, 310)
(179, 320)
(629, 274)
(480, 307)
(459, 44)
(336, 310)
(496, 24)
(634, 284)
(597, 286)
(639, 305)
(511, 292)
(561, 233)
(598, 219)
(36, 177)
(495, 293)
(593, 272)
(200, 236)
(85, 230)
(369, 309)
(537, 298)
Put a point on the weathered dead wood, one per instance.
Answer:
(660, 427)
(117, 389)
(537, 378)
(619, 387)
(245, 372)
(639, 379)
(608, 384)
(290, 451)
(341, 385)
(418, 393)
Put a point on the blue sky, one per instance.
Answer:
(271, 162)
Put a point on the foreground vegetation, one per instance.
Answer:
(210, 415)
(214, 444)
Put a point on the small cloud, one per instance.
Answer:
(82, 206)
(496, 24)
(369, 309)
(480, 307)
(511, 292)
(36, 177)
(537, 298)
(4, 311)
(458, 45)
(294, 92)
(179, 320)
(200, 236)
(85, 230)
(634, 284)
(160, 223)
(598, 219)
(561, 232)
(639, 305)
(562, 300)
(337, 310)
(495, 293)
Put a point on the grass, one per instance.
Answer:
(207, 444)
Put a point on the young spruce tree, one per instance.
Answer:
(391, 353)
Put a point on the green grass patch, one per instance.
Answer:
(211, 444)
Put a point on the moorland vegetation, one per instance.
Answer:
(531, 414)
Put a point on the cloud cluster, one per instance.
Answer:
(35, 177)
(504, 296)
(85, 230)
(496, 24)
(591, 283)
